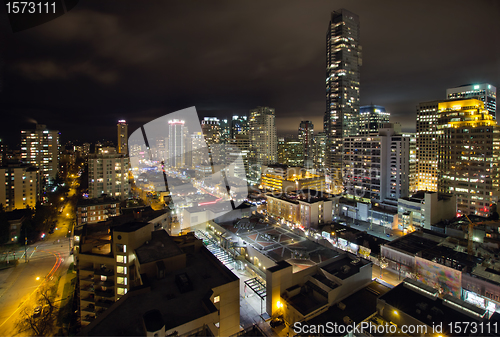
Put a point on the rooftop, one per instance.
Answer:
(160, 246)
(345, 266)
(414, 300)
(416, 241)
(204, 271)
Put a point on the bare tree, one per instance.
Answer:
(42, 323)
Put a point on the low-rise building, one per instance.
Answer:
(424, 209)
(307, 208)
(96, 210)
(290, 178)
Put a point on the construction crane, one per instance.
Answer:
(470, 232)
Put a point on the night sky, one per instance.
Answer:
(135, 60)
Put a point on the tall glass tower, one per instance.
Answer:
(343, 61)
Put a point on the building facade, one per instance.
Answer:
(108, 174)
(263, 140)
(468, 150)
(40, 148)
(427, 150)
(283, 178)
(484, 92)
(343, 61)
(176, 145)
(122, 137)
(290, 152)
(306, 137)
(19, 186)
(377, 167)
(371, 119)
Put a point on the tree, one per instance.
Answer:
(40, 324)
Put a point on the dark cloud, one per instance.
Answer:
(108, 60)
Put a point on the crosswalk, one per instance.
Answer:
(214, 248)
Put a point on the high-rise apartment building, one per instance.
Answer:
(427, 150)
(19, 186)
(108, 174)
(306, 135)
(371, 119)
(468, 149)
(238, 146)
(343, 61)
(376, 168)
(176, 146)
(122, 137)
(484, 91)
(40, 148)
(263, 140)
(320, 142)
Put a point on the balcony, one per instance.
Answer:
(105, 293)
(107, 283)
(104, 303)
(89, 298)
(88, 318)
(105, 272)
(87, 287)
(89, 308)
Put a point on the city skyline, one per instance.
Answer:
(74, 78)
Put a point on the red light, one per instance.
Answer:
(459, 215)
(209, 202)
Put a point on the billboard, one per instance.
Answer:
(447, 280)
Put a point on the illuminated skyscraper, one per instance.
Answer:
(263, 140)
(176, 148)
(371, 119)
(427, 156)
(468, 150)
(122, 137)
(239, 126)
(40, 148)
(306, 135)
(484, 91)
(343, 61)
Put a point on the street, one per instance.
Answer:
(46, 261)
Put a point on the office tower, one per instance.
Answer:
(484, 91)
(290, 152)
(320, 150)
(122, 137)
(210, 126)
(343, 61)
(427, 155)
(19, 186)
(376, 167)
(198, 146)
(176, 148)
(239, 145)
(412, 178)
(40, 148)
(306, 134)
(108, 174)
(263, 140)
(225, 131)
(211, 129)
(239, 126)
(371, 119)
(468, 149)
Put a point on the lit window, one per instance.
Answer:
(216, 299)
(121, 259)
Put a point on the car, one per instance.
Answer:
(275, 322)
(38, 311)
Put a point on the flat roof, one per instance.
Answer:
(415, 242)
(430, 309)
(345, 266)
(130, 226)
(358, 306)
(278, 243)
(160, 246)
(204, 272)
